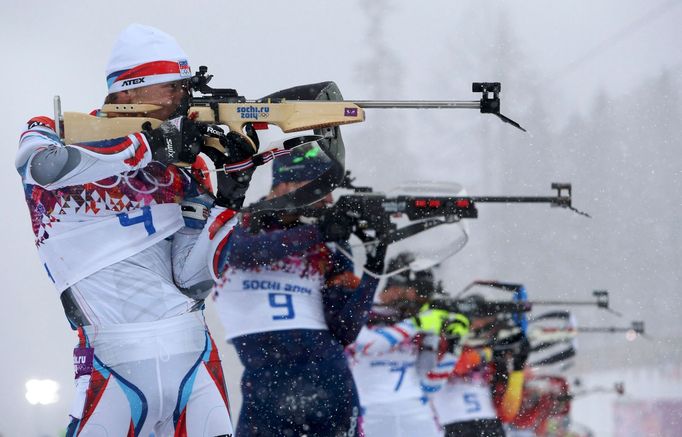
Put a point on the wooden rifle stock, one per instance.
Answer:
(289, 116)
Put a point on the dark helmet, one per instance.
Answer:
(423, 281)
(304, 163)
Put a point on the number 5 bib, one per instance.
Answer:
(461, 400)
(264, 301)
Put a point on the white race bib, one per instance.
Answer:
(387, 377)
(464, 399)
(264, 301)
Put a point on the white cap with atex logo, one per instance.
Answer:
(142, 56)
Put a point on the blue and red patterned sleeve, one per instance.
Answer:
(247, 250)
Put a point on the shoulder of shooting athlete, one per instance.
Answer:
(41, 120)
(44, 126)
(38, 132)
(39, 126)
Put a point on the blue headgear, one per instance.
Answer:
(303, 164)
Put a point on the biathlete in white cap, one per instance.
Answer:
(107, 221)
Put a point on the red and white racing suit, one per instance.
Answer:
(107, 222)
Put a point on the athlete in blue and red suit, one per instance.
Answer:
(290, 303)
(393, 354)
(108, 224)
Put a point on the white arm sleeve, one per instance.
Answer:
(44, 161)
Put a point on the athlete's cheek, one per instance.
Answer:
(175, 99)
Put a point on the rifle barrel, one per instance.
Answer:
(519, 199)
(608, 329)
(563, 302)
(417, 104)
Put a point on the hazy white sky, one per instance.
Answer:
(52, 48)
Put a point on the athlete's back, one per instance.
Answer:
(289, 307)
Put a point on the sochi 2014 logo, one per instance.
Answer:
(253, 112)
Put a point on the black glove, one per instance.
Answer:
(335, 225)
(232, 189)
(376, 254)
(231, 186)
(521, 353)
(237, 147)
(175, 140)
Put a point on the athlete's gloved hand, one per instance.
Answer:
(231, 190)
(456, 326)
(376, 256)
(430, 320)
(335, 225)
(437, 322)
(175, 140)
(237, 146)
(232, 187)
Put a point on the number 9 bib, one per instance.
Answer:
(253, 302)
